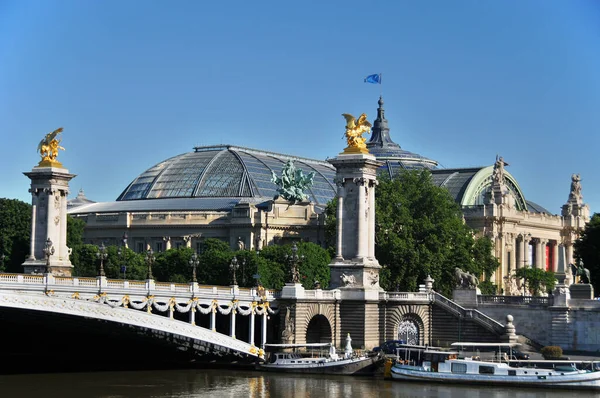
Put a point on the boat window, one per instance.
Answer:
(459, 368)
(512, 372)
(486, 370)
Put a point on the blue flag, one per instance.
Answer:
(375, 79)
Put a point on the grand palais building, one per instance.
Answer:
(225, 192)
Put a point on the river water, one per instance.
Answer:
(242, 384)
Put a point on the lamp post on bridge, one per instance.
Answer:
(294, 261)
(234, 266)
(149, 261)
(48, 251)
(102, 255)
(194, 261)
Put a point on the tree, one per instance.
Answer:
(587, 249)
(15, 233)
(75, 227)
(536, 280)
(313, 267)
(420, 231)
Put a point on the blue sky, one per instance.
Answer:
(136, 82)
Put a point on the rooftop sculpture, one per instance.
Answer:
(48, 149)
(354, 131)
(292, 183)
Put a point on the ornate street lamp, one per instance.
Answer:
(294, 261)
(194, 261)
(234, 266)
(149, 261)
(102, 255)
(48, 251)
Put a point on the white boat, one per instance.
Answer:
(447, 367)
(308, 358)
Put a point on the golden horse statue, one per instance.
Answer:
(354, 131)
(48, 149)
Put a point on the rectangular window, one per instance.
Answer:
(178, 244)
(486, 370)
(512, 372)
(459, 368)
(139, 247)
(159, 247)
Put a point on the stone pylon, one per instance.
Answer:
(49, 252)
(355, 270)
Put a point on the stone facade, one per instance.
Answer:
(248, 226)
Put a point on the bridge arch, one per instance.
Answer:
(402, 317)
(217, 343)
(318, 330)
(318, 323)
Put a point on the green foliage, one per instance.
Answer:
(314, 266)
(215, 258)
(488, 288)
(331, 225)
(551, 352)
(419, 232)
(483, 260)
(84, 258)
(15, 233)
(75, 227)
(86, 263)
(536, 280)
(587, 249)
(173, 265)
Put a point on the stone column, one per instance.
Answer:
(569, 248)
(361, 210)
(526, 240)
(251, 331)
(543, 243)
(371, 221)
(340, 214)
(521, 247)
(188, 240)
(213, 318)
(263, 339)
(513, 254)
(554, 265)
(167, 240)
(538, 253)
(232, 325)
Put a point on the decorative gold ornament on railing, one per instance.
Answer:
(354, 131)
(48, 149)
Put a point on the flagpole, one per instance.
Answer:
(381, 84)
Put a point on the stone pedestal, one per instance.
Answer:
(561, 295)
(293, 291)
(355, 265)
(49, 191)
(582, 291)
(466, 297)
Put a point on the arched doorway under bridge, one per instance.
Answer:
(408, 330)
(318, 330)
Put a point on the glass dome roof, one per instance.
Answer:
(226, 171)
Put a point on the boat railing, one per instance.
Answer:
(477, 316)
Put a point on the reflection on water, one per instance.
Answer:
(228, 383)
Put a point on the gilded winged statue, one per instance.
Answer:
(48, 148)
(354, 131)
